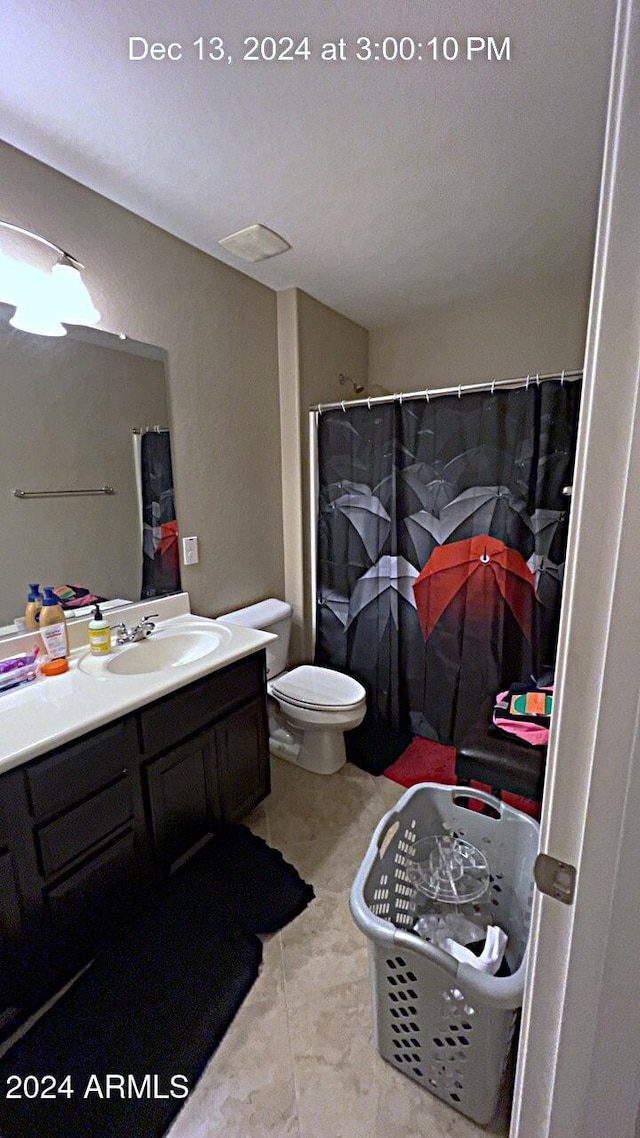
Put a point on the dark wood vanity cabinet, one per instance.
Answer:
(87, 825)
(241, 741)
(182, 797)
(84, 823)
(10, 911)
(10, 914)
(220, 774)
(219, 769)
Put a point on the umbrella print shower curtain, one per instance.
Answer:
(442, 532)
(160, 562)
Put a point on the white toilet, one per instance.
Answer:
(315, 706)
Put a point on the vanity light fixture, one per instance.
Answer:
(45, 300)
(255, 243)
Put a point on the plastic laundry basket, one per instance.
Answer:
(443, 1023)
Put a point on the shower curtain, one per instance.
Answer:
(160, 562)
(442, 531)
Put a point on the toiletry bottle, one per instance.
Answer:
(53, 627)
(32, 611)
(99, 634)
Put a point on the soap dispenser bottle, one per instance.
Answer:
(99, 634)
(53, 627)
(32, 611)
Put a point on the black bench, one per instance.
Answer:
(487, 755)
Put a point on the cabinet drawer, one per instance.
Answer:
(77, 831)
(73, 772)
(185, 712)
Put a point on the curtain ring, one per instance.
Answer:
(493, 386)
(459, 391)
(343, 406)
(527, 385)
(562, 378)
(369, 402)
(537, 379)
(400, 398)
(426, 395)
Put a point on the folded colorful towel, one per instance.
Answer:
(74, 596)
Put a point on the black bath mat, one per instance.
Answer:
(155, 1003)
(257, 886)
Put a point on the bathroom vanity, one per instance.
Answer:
(87, 826)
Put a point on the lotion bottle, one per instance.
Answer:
(99, 634)
(53, 627)
(32, 611)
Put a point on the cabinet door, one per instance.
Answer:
(181, 789)
(10, 916)
(85, 899)
(242, 754)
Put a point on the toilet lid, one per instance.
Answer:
(321, 688)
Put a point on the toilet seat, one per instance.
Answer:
(318, 689)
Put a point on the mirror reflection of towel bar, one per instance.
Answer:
(62, 493)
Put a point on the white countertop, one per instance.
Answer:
(53, 710)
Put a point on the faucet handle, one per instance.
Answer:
(145, 626)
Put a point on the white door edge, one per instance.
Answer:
(564, 1067)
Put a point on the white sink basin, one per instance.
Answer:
(164, 648)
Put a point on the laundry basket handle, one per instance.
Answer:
(481, 796)
(500, 991)
(386, 831)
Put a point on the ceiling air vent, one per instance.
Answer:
(255, 243)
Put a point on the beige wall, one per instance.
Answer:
(542, 331)
(245, 365)
(330, 345)
(220, 330)
(316, 345)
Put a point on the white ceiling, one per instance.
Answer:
(399, 186)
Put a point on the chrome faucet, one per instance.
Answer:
(140, 631)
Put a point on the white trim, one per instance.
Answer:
(565, 1059)
(314, 489)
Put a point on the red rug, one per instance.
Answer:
(427, 761)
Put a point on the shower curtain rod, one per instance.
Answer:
(460, 390)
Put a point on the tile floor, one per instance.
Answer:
(299, 1060)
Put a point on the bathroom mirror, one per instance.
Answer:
(69, 407)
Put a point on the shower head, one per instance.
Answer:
(357, 387)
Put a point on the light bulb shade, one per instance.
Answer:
(38, 320)
(72, 300)
(36, 310)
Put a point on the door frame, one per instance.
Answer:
(578, 1072)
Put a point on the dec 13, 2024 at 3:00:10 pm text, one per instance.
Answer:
(406, 49)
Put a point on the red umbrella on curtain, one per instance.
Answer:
(492, 574)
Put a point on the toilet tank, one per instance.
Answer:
(267, 616)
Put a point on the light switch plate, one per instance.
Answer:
(190, 551)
